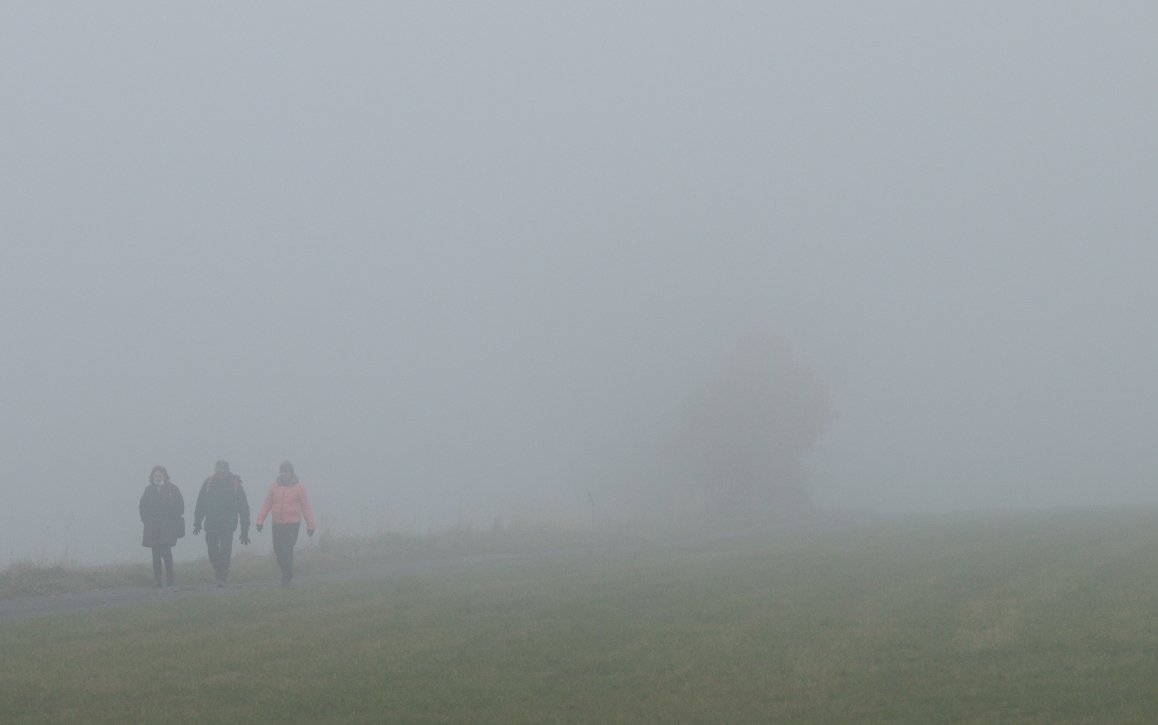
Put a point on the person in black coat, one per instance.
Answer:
(162, 508)
(221, 505)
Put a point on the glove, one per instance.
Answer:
(259, 528)
(245, 539)
(309, 532)
(196, 530)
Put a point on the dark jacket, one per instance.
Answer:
(161, 510)
(221, 503)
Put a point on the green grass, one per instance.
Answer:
(1049, 617)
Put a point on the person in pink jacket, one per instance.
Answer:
(288, 503)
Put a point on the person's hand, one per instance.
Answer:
(196, 530)
(309, 532)
(259, 528)
(245, 539)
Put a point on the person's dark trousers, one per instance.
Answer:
(285, 536)
(220, 545)
(163, 554)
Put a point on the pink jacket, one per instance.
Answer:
(288, 504)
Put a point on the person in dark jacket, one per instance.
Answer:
(161, 510)
(221, 504)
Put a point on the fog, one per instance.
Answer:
(464, 262)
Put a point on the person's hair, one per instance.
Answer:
(286, 467)
(164, 473)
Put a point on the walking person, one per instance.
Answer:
(288, 502)
(162, 512)
(221, 505)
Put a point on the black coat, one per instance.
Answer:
(161, 510)
(221, 503)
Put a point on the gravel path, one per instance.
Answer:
(18, 608)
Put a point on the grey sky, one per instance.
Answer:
(453, 258)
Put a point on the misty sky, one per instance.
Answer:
(459, 260)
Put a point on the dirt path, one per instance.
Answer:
(18, 608)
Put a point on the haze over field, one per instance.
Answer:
(459, 261)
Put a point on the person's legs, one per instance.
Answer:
(213, 544)
(285, 536)
(156, 564)
(279, 548)
(225, 552)
(167, 557)
(289, 551)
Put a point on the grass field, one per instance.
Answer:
(1043, 617)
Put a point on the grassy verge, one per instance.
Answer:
(1043, 618)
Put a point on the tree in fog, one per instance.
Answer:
(742, 438)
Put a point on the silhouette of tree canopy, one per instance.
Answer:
(743, 437)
